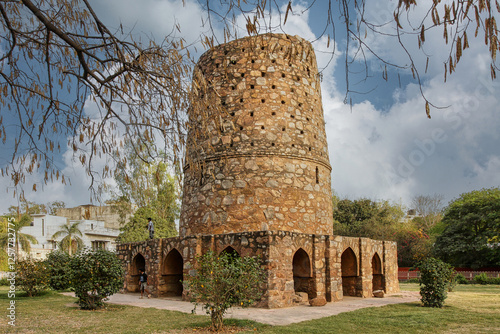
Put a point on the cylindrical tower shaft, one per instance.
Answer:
(257, 156)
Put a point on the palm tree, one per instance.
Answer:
(22, 241)
(71, 239)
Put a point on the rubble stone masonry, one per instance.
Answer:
(257, 182)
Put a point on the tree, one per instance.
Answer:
(71, 240)
(95, 275)
(223, 281)
(58, 55)
(429, 209)
(471, 229)
(52, 207)
(414, 245)
(23, 241)
(28, 208)
(366, 218)
(149, 186)
(136, 228)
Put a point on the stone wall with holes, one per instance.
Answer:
(257, 156)
(294, 263)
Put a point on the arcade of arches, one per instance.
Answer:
(321, 266)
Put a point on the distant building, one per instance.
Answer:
(107, 214)
(94, 234)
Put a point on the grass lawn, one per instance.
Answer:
(469, 309)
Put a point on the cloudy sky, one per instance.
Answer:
(383, 147)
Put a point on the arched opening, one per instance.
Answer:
(302, 273)
(172, 274)
(138, 263)
(378, 277)
(349, 272)
(231, 251)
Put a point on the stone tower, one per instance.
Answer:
(257, 156)
(257, 183)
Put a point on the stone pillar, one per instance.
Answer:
(391, 267)
(335, 269)
(319, 264)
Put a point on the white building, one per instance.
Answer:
(43, 227)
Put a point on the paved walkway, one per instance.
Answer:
(283, 316)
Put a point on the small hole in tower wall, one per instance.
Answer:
(253, 61)
(251, 113)
(272, 144)
(283, 75)
(251, 144)
(317, 175)
(263, 100)
(241, 100)
(273, 113)
(263, 74)
(273, 87)
(262, 127)
(273, 61)
(242, 75)
(252, 86)
(262, 48)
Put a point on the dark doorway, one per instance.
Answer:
(138, 263)
(231, 251)
(349, 272)
(302, 273)
(172, 274)
(378, 277)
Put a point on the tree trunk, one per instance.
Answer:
(217, 320)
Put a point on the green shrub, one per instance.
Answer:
(223, 281)
(32, 276)
(412, 280)
(460, 279)
(58, 266)
(495, 280)
(481, 279)
(4, 282)
(484, 279)
(95, 275)
(435, 276)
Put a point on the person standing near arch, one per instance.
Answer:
(143, 281)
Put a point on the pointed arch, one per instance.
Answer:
(138, 263)
(230, 250)
(349, 265)
(302, 273)
(377, 273)
(172, 274)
